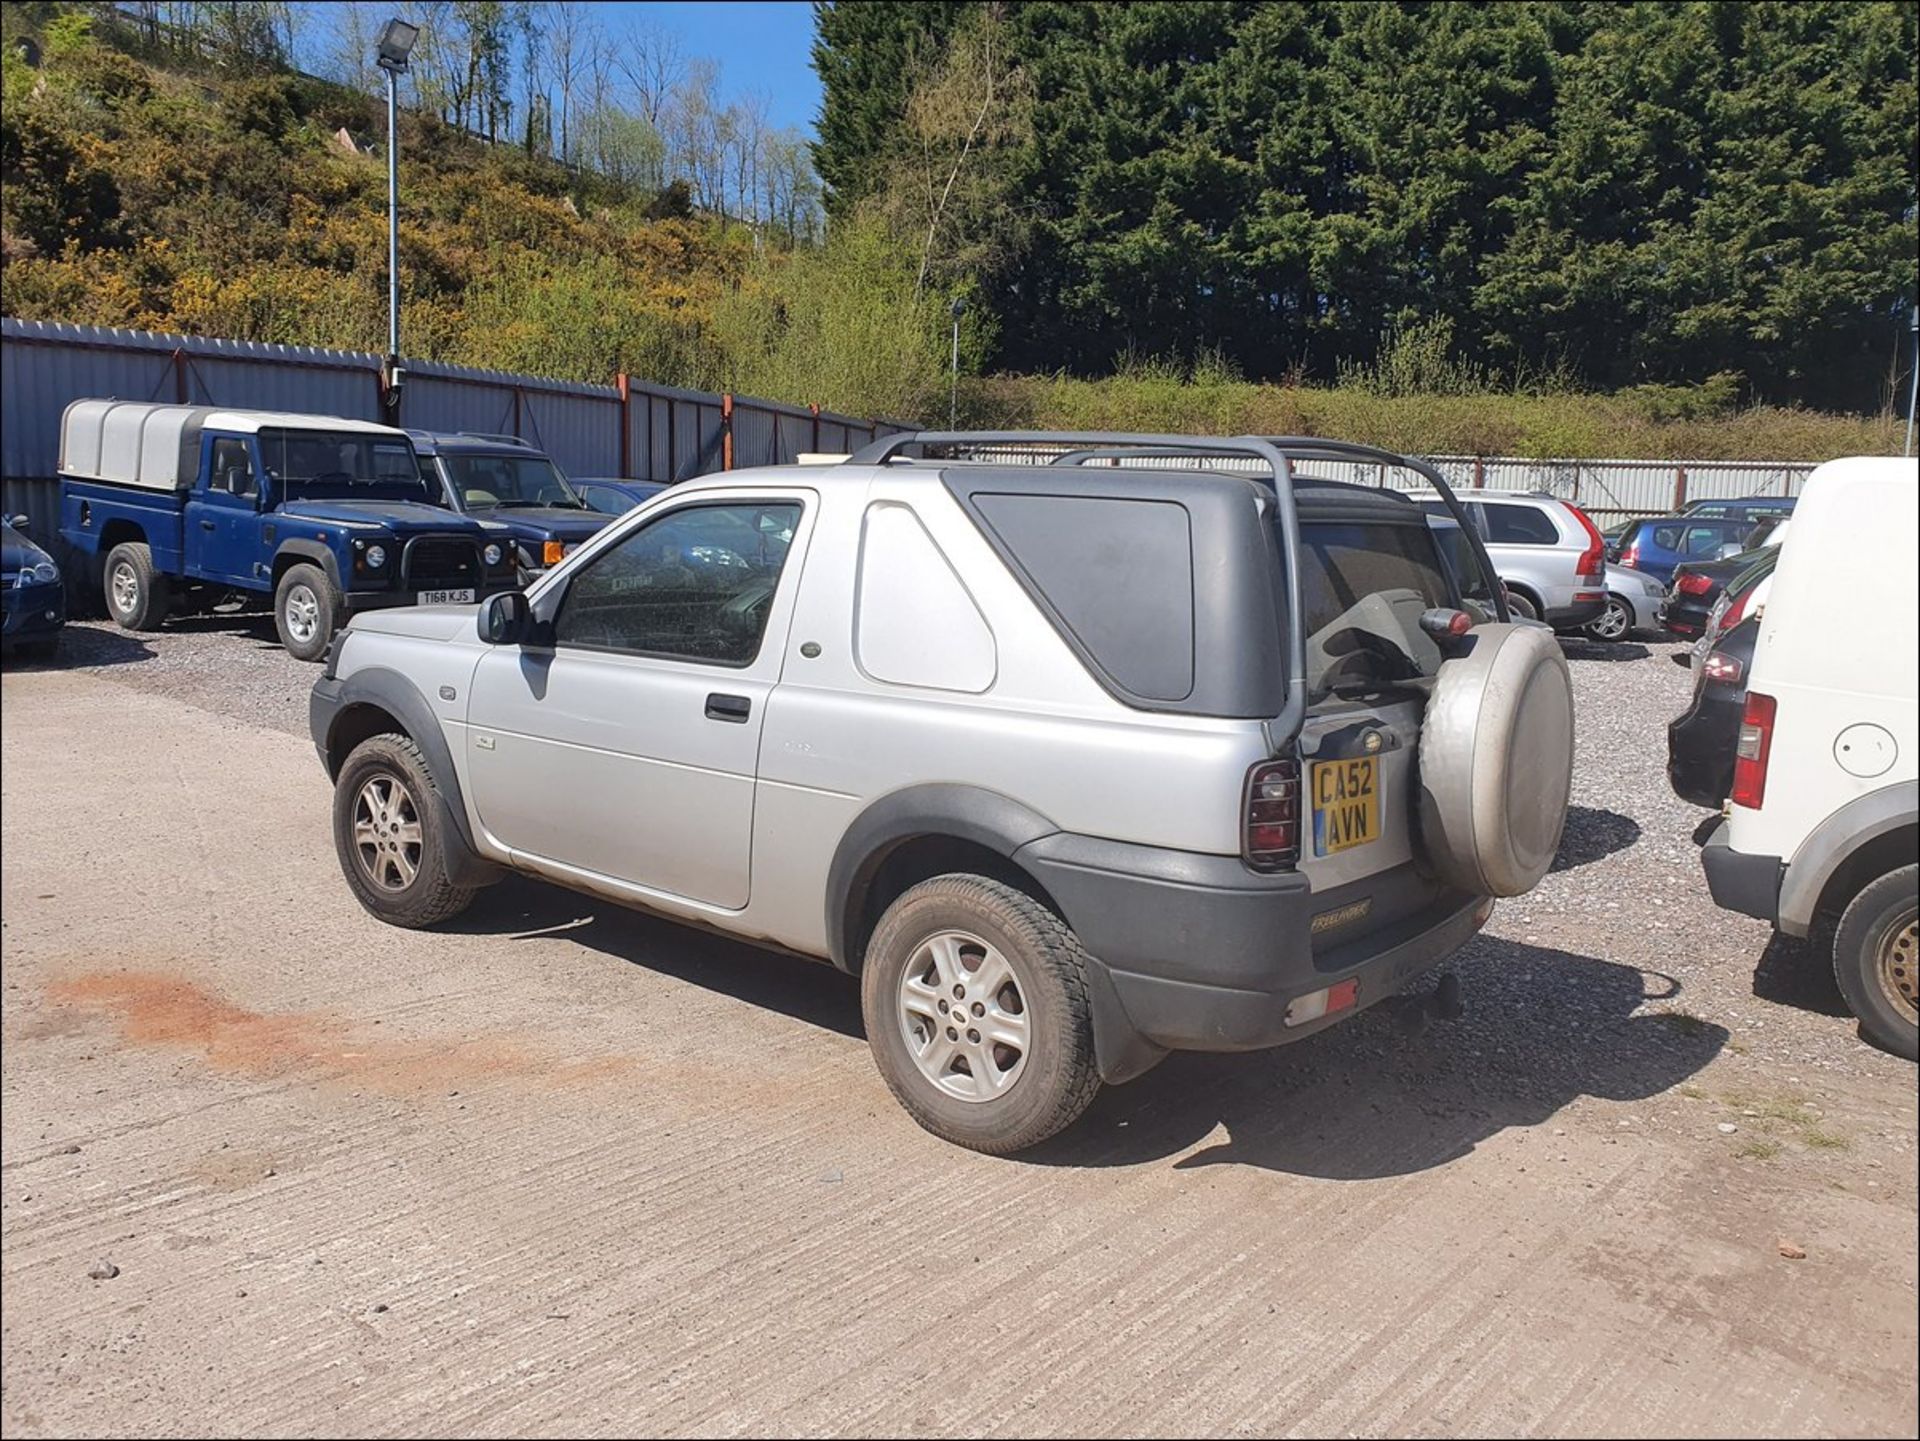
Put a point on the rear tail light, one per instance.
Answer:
(1630, 557)
(1271, 811)
(1735, 611)
(1693, 584)
(1593, 559)
(1750, 755)
(1721, 668)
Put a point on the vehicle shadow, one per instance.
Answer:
(1799, 973)
(84, 647)
(807, 990)
(1591, 835)
(1543, 1028)
(1577, 649)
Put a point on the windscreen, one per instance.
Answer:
(316, 463)
(509, 480)
(1363, 586)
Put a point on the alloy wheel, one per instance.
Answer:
(963, 1016)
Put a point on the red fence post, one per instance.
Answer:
(1479, 472)
(179, 375)
(516, 410)
(816, 428)
(726, 431)
(621, 384)
(1679, 487)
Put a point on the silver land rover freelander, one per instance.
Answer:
(1075, 749)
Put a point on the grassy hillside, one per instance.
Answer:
(224, 203)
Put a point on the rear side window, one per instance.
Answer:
(915, 624)
(1363, 586)
(1520, 525)
(1667, 537)
(1117, 573)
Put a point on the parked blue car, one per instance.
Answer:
(616, 497)
(33, 599)
(1656, 545)
(511, 484)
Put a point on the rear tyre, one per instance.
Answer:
(137, 595)
(1876, 960)
(391, 834)
(1613, 623)
(304, 610)
(975, 999)
(1521, 606)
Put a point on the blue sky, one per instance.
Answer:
(760, 46)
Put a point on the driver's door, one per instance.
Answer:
(223, 512)
(628, 750)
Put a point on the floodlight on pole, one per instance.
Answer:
(396, 44)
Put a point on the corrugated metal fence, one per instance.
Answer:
(630, 429)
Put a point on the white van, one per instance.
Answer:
(1822, 822)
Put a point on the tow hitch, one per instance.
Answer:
(1413, 1014)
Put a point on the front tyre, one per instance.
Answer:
(305, 611)
(975, 1001)
(1613, 623)
(1876, 960)
(392, 837)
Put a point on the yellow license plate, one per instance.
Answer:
(1346, 804)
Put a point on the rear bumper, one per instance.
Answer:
(1198, 953)
(1579, 612)
(1740, 882)
(1684, 617)
(1700, 744)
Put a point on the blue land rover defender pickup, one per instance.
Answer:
(183, 505)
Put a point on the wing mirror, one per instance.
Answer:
(506, 618)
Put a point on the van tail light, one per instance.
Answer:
(1750, 755)
(1630, 557)
(1693, 584)
(1593, 559)
(1721, 668)
(1271, 816)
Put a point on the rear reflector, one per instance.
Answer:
(1693, 585)
(1271, 816)
(1750, 754)
(1722, 668)
(1315, 1004)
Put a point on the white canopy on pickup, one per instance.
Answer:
(128, 442)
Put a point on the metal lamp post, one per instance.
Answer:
(1913, 387)
(396, 44)
(958, 309)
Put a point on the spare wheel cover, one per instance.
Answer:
(1496, 762)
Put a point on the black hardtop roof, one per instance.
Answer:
(433, 442)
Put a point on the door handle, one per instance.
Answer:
(733, 708)
(206, 525)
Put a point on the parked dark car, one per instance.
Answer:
(513, 486)
(1657, 545)
(1702, 738)
(1750, 508)
(1697, 588)
(616, 497)
(33, 599)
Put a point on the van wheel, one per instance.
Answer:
(1876, 960)
(389, 828)
(304, 607)
(136, 593)
(975, 1000)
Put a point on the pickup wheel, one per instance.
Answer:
(390, 830)
(975, 1000)
(137, 595)
(304, 610)
(1876, 960)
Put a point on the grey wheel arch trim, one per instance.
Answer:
(308, 550)
(1834, 841)
(393, 693)
(957, 812)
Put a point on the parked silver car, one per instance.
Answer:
(1633, 601)
(1550, 556)
(1072, 764)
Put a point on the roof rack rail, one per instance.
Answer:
(1279, 452)
(523, 443)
